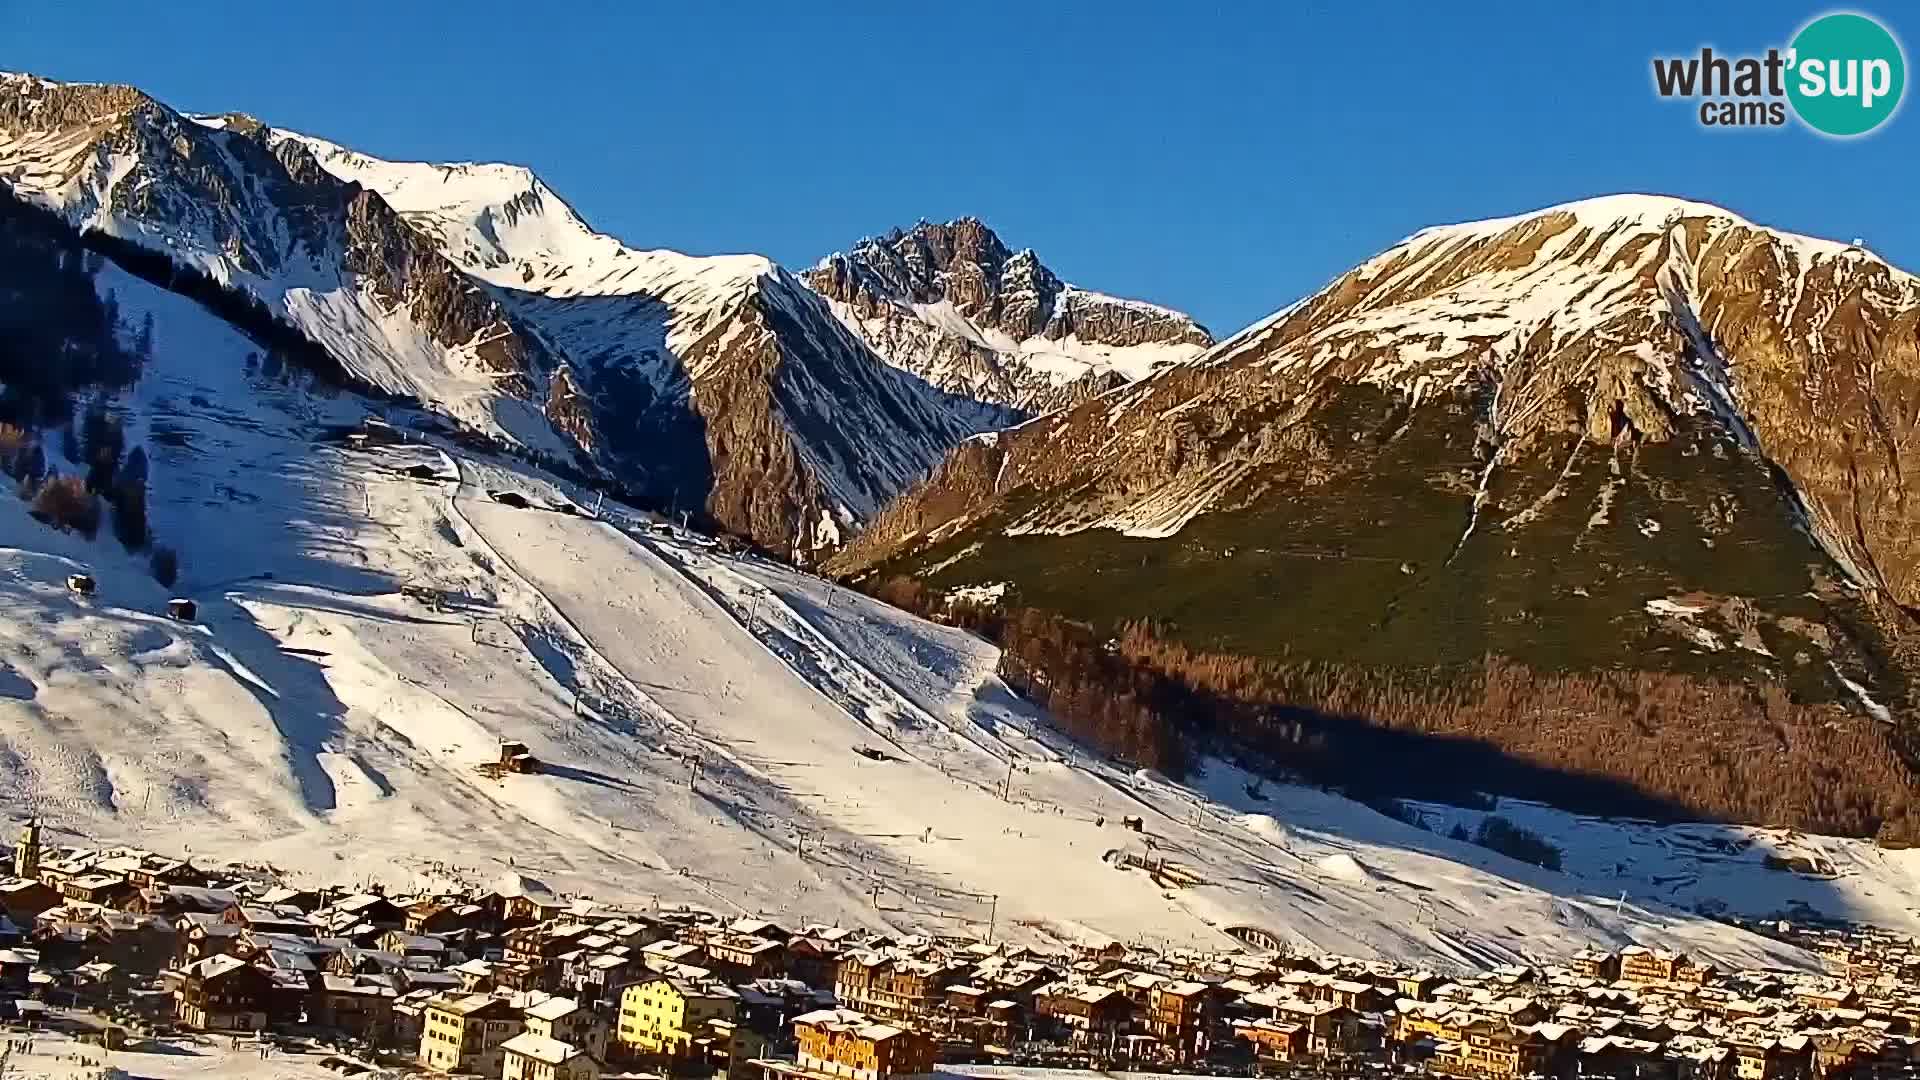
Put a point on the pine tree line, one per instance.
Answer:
(1644, 744)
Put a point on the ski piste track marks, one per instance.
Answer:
(474, 534)
(759, 628)
(681, 562)
(804, 636)
(767, 784)
(818, 642)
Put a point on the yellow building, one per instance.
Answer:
(1438, 1020)
(1643, 965)
(465, 1033)
(844, 1045)
(664, 1015)
(1487, 1049)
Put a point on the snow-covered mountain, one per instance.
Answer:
(721, 385)
(1632, 434)
(502, 224)
(697, 715)
(951, 304)
(717, 373)
(1617, 317)
(332, 259)
(700, 716)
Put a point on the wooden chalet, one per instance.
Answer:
(1091, 1015)
(742, 958)
(98, 887)
(222, 993)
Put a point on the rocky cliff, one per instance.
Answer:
(951, 303)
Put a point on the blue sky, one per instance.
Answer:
(1224, 160)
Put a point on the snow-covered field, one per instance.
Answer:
(1737, 868)
(702, 718)
(60, 1057)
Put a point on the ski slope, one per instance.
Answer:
(700, 716)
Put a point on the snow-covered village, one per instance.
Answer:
(124, 959)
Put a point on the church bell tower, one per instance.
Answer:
(26, 854)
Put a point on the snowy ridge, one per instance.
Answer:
(1076, 294)
(1638, 210)
(316, 719)
(1574, 281)
(211, 198)
(935, 342)
(502, 224)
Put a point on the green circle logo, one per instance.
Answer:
(1847, 74)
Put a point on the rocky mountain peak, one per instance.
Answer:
(938, 245)
(962, 263)
(952, 303)
(28, 102)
